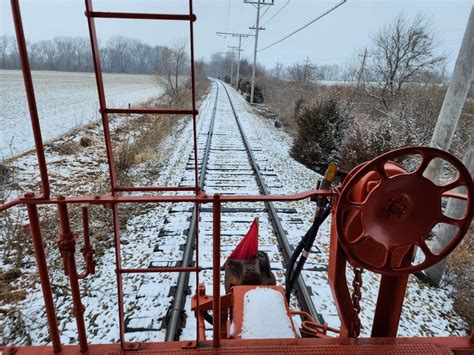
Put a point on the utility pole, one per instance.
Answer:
(232, 62)
(305, 72)
(240, 35)
(278, 69)
(238, 63)
(258, 4)
(361, 70)
(455, 97)
(448, 118)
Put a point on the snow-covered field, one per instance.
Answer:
(65, 101)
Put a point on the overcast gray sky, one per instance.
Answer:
(334, 39)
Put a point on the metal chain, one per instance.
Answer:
(356, 296)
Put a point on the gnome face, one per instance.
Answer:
(255, 271)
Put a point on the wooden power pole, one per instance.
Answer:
(443, 134)
(257, 28)
(455, 97)
(240, 35)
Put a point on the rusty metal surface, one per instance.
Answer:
(43, 273)
(322, 349)
(446, 345)
(101, 93)
(216, 270)
(149, 111)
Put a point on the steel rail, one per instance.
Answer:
(179, 299)
(302, 293)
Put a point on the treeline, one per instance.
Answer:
(118, 55)
(306, 72)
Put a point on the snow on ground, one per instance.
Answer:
(65, 101)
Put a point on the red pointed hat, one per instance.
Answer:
(248, 247)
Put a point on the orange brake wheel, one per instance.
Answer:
(380, 227)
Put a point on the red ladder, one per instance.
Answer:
(105, 111)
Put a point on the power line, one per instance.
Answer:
(276, 13)
(264, 12)
(304, 26)
(228, 15)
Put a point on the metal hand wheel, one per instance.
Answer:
(381, 231)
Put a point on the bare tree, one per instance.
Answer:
(118, 55)
(305, 73)
(172, 66)
(277, 72)
(9, 53)
(401, 51)
(328, 72)
(4, 41)
(219, 65)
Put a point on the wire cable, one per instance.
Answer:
(304, 26)
(228, 16)
(264, 12)
(276, 13)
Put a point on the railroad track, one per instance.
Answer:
(228, 166)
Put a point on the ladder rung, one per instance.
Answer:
(159, 269)
(151, 111)
(155, 188)
(145, 16)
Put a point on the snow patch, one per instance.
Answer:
(265, 315)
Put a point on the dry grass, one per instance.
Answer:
(144, 146)
(153, 129)
(460, 274)
(7, 295)
(85, 141)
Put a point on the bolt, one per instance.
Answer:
(96, 197)
(397, 206)
(12, 349)
(29, 195)
(61, 198)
